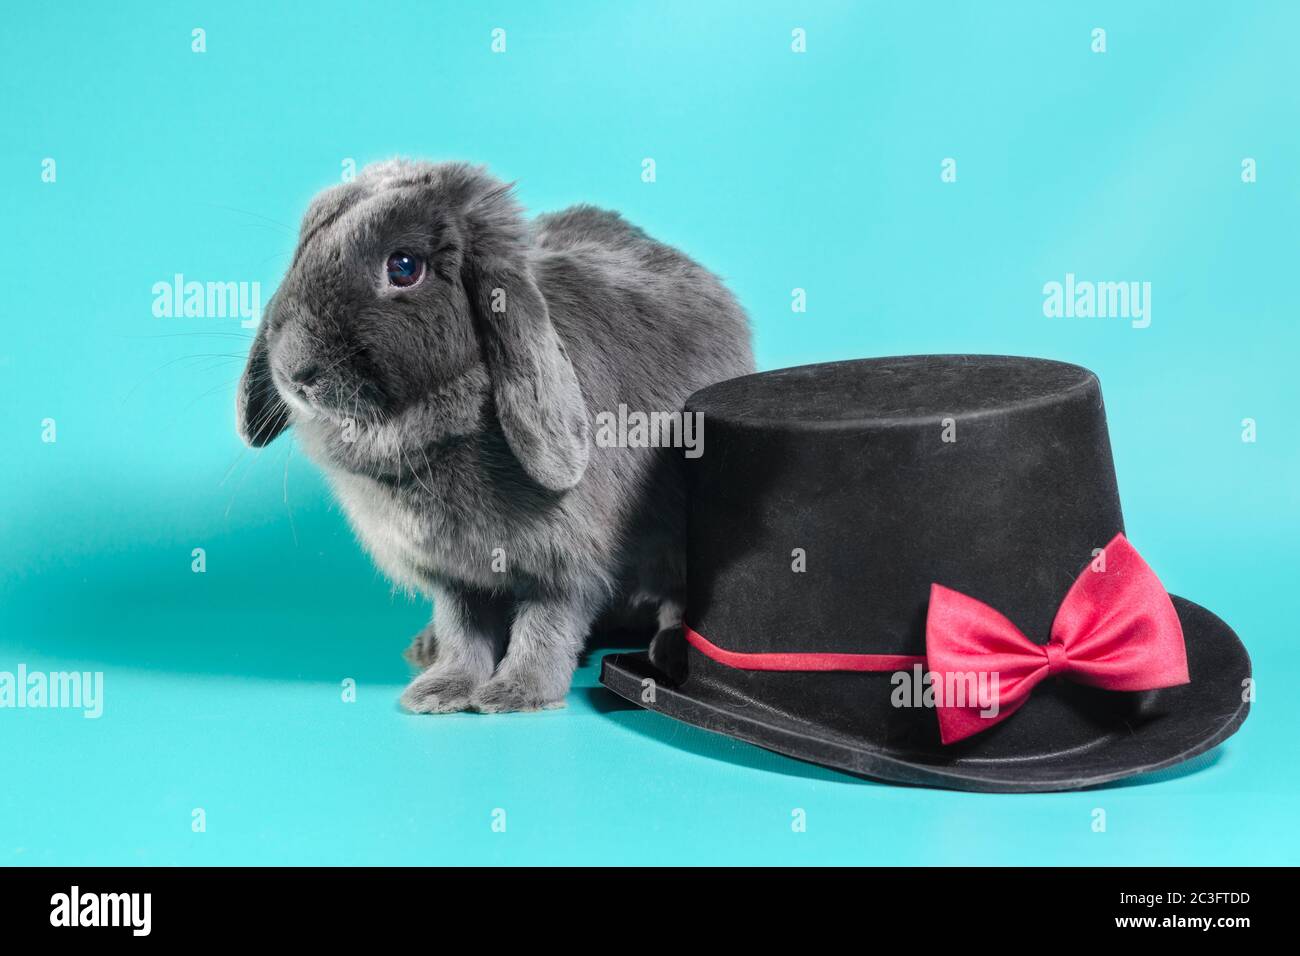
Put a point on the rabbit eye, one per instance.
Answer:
(404, 269)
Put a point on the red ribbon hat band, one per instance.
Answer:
(1116, 629)
(800, 662)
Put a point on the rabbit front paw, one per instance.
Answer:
(505, 694)
(439, 691)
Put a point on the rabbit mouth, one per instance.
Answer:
(329, 399)
(398, 447)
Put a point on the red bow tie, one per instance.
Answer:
(1116, 629)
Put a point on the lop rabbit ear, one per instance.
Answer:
(538, 400)
(260, 413)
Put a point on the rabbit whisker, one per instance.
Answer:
(256, 215)
(293, 528)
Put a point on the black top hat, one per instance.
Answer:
(840, 511)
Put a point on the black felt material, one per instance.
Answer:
(846, 463)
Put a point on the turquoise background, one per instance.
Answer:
(778, 170)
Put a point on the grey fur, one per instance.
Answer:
(473, 426)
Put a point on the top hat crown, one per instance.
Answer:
(828, 502)
(989, 474)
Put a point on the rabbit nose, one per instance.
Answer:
(306, 374)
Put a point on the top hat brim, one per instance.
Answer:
(1017, 755)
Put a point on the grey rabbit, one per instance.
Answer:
(443, 360)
